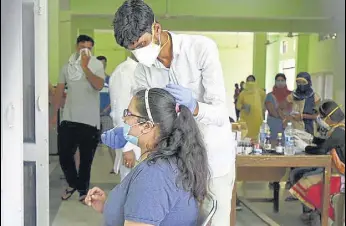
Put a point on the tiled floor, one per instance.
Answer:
(72, 213)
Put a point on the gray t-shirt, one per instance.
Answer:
(149, 195)
(83, 101)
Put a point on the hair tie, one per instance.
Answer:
(146, 98)
(177, 108)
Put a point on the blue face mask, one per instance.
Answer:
(127, 136)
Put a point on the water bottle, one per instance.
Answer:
(289, 140)
(263, 133)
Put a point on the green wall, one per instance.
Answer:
(53, 41)
(260, 58)
(105, 45)
(322, 57)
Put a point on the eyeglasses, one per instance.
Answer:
(127, 113)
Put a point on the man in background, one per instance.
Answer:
(105, 108)
(235, 97)
(104, 94)
(80, 123)
(104, 60)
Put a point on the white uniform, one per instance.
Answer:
(196, 66)
(121, 86)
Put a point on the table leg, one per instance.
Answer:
(325, 196)
(234, 205)
(276, 191)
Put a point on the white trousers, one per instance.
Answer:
(118, 161)
(222, 189)
(119, 166)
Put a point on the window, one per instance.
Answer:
(322, 84)
(284, 47)
(288, 67)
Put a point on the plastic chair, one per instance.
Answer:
(205, 216)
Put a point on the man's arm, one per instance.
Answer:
(97, 79)
(60, 88)
(59, 91)
(213, 108)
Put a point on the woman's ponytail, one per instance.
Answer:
(192, 159)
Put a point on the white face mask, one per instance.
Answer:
(148, 54)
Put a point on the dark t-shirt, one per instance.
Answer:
(335, 141)
(149, 195)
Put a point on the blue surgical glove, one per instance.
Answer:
(114, 138)
(183, 96)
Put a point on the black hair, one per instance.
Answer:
(85, 38)
(132, 20)
(102, 58)
(280, 75)
(327, 107)
(236, 85)
(231, 120)
(251, 76)
(180, 141)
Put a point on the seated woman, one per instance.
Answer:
(309, 188)
(171, 182)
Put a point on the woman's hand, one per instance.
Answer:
(96, 198)
(297, 117)
(129, 159)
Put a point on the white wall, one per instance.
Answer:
(237, 63)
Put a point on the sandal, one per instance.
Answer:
(68, 194)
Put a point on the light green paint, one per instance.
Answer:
(259, 58)
(303, 45)
(65, 45)
(105, 45)
(53, 41)
(213, 24)
(207, 8)
(322, 55)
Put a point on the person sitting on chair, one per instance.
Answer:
(171, 182)
(308, 187)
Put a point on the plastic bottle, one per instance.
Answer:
(240, 149)
(289, 140)
(267, 145)
(263, 133)
(249, 148)
(279, 147)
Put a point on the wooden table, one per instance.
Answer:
(260, 163)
